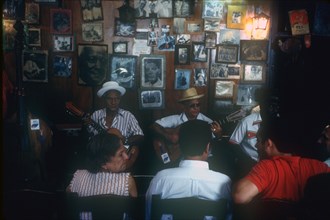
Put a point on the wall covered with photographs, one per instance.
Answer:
(155, 49)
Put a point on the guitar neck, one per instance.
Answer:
(94, 124)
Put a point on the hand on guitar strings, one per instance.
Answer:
(216, 129)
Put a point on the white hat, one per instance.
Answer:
(111, 85)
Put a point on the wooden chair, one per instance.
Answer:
(104, 207)
(187, 208)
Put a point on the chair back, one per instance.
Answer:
(102, 206)
(187, 208)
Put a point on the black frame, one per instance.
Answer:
(226, 53)
(253, 50)
(182, 54)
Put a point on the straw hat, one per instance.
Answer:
(111, 85)
(190, 94)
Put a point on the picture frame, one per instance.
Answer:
(91, 10)
(51, 2)
(151, 99)
(226, 53)
(224, 89)
(63, 43)
(199, 52)
(32, 13)
(119, 47)
(253, 72)
(9, 34)
(123, 69)
(153, 70)
(60, 21)
(229, 36)
(92, 32)
(225, 71)
(213, 9)
(182, 54)
(179, 25)
(200, 77)
(34, 37)
(88, 55)
(35, 66)
(182, 79)
(246, 94)
(62, 66)
(236, 16)
(183, 8)
(183, 39)
(152, 38)
(210, 39)
(212, 25)
(193, 26)
(253, 50)
(166, 41)
(126, 29)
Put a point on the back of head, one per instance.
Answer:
(99, 150)
(194, 137)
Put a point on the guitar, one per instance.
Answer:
(170, 152)
(132, 151)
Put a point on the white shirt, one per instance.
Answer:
(192, 178)
(174, 121)
(245, 134)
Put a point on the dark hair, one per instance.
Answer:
(193, 137)
(99, 150)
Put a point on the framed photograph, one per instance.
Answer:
(35, 66)
(124, 29)
(119, 47)
(63, 43)
(229, 36)
(153, 70)
(141, 9)
(182, 54)
(212, 25)
(224, 89)
(182, 79)
(227, 53)
(213, 9)
(200, 76)
(179, 25)
(151, 99)
(34, 37)
(152, 38)
(32, 13)
(193, 26)
(92, 64)
(123, 70)
(210, 39)
(183, 39)
(236, 16)
(46, 1)
(62, 66)
(246, 94)
(183, 8)
(225, 71)
(199, 52)
(166, 41)
(60, 21)
(254, 50)
(253, 72)
(9, 34)
(164, 9)
(92, 32)
(91, 10)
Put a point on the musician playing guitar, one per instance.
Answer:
(166, 129)
(112, 116)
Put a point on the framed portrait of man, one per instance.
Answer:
(153, 71)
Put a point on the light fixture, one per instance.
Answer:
(260, 21)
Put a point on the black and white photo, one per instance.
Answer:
(35, 66)
(63, 43)
(151, 99)
(92, 32)
(91, 10)
(153, 71)
(123, 70)
(62, 66)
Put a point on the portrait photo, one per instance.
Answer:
(253, 72)
(124, 29)
(183, 8)
(63, 43)
(92, 64)
(151, 99)
(153, 71)
(60, 21)
(123, 70)
(236, 16)
(182, 54)
(200, 76)
(35, 66)
(62, 66)
(91, 10)
(199, 52)
(182, 79)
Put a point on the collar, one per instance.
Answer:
(194, 164)
(184, 117)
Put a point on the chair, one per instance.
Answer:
(103, 207)
(187, 208)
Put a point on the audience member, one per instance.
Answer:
(192, 178)
(324, 141)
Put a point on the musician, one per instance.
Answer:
(112, 116)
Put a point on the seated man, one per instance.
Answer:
(192, 178)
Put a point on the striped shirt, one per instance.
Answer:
(124, 121)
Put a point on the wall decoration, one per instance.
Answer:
(299, 22)
(199, 52)
(182, 54)
(151, 99)
(32, 13)
(152, 38)
(63, 43)
(140, 8)
(193, 26)
(213, 9)
(224, 89)
(212, 25)
(165, 41)
(35, 66)
(182, 79)
(321, 20)
(253, 72)
(246, 94)
(200, 76)
(92, 32)
(153, 70)
(229, 36)
(9, 33)
(164, 9)
(179, 25)
(46, 1)
(62, 66)
(34, 37)
(225, 71)
(123, 70)
(254, 50)
(227, 53)
(91, 10)
(183, 39)
(210, 39)
(183, 8)
(124, 29)
(60, 21)
(236, 16)
(92, 64)
(119, 47)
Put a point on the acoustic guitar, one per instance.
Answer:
(170, 152)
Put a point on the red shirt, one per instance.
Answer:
(284, 177)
